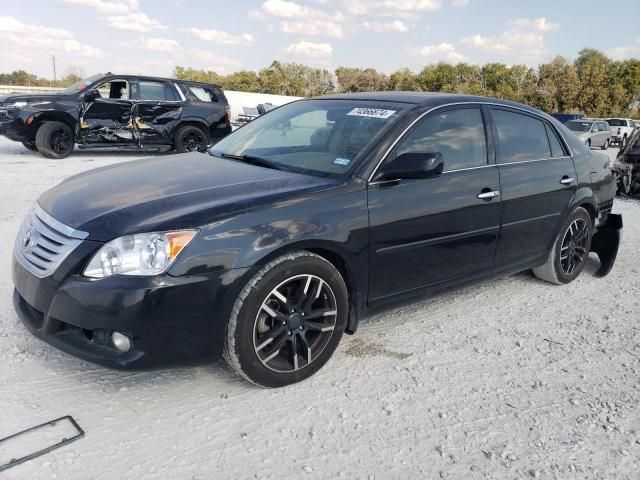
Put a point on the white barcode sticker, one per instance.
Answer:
(371, 112)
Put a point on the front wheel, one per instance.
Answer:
(570, 249)
(287, 321)
(606, 144)
(588, 143)
(190, 139)
(55, 140)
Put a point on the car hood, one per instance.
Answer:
(168, 193)
(29, 98)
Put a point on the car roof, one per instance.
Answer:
(164, 79)
(428, 99)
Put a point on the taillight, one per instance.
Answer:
(227, 111)
(619, 130)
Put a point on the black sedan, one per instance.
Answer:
(297, 224)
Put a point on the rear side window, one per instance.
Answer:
(155, 91)
(203, 94)
(456, 134)
(557, 149)
(520, 137)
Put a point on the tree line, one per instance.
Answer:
(593, 84)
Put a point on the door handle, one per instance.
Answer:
(488, 195)
(566, 180)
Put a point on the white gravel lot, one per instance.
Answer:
(512, 379)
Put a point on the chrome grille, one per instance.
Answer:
(43, 243)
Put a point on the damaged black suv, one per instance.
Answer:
(123, 111)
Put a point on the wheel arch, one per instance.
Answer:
(54, 116)
(192, 122)
(585, 198)
(340, 259)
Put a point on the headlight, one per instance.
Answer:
(143, 254)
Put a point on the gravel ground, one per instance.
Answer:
(512, 379)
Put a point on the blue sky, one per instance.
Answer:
(152, 36)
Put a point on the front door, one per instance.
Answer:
(537, 179)
(108, 119)
(157, 111)
(430, 231)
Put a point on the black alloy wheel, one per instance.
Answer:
(295, 323)
(573, 252)
(194, 142)
(60, 141)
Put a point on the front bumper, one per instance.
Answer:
(170, 320)
(13, 127)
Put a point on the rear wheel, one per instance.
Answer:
(570, 249)
(606, 144)
(55, 140)
(30, 146)
(190, 139)
(287, 321)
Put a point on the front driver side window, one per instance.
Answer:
(456, 134)
(114, 90)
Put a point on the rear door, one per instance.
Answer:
(537, 180)
(158, 109)
(429, 231)
(108, 119)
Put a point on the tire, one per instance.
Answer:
(30, 146)
(557, 269)
(623, 142)
(588, 143)
(264, 331)
(55, 140)
(606, 144)
(190, 139)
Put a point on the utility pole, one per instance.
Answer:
(53, 61)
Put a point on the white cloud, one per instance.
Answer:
(540, 24)
(37, 36)
(394, 26)
(441, 51)
(121, 14)
(389, 7)
(628, 51)
(523, 38)
(217, 36)
(310, 50)
(312, 27)
(297, 19)
(159, 44)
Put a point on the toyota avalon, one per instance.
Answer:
(296, 225)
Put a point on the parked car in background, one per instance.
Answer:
(593, 133)
(621, 130)
(627, 166)
(270, 249)
(123, 111)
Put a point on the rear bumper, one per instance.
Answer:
(170, 320)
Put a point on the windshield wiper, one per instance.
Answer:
(259, 161)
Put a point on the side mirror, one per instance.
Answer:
(91, 95)
(412, 165)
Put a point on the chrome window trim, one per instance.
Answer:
(455, 104)
(175, 85)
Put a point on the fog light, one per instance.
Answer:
(120, 342)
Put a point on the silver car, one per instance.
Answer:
(594, 133)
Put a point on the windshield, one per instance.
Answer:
(579, 126)
(317, 137)
(616, 122)
(81, 85)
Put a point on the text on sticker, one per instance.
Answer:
(371, 112)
